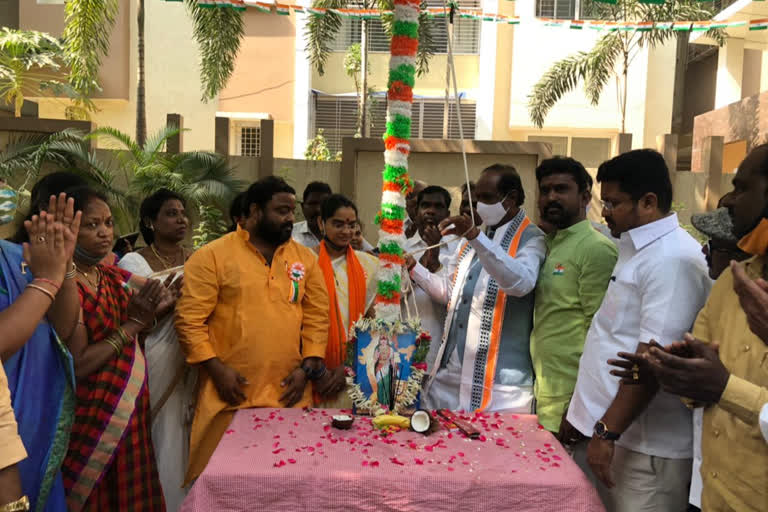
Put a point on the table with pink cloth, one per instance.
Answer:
(292, 459)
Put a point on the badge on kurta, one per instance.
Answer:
(296, 274)
(559, 270)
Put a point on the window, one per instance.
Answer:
(466, 33)
(248, 139)
(337, 116)
(564, 9)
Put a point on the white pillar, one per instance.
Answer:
(486, 87)
(764, 71)
(301, 85)
(730, 66)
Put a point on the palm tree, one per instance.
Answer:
(88, 28)
(322, 30)
(29, 61)
(613, 53)
(136, 171)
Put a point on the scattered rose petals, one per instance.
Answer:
(419, 462)
(394, 460)
(279, 464)
(291, 461)
(375, 464)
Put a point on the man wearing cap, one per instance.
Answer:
(724, 364)
(720, 248)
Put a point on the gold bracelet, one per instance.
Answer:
(41, 289)
(114, 344)
(72, 273)
(16, 506)
(123, 336)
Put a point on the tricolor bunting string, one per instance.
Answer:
(396, 182)
(610, 26)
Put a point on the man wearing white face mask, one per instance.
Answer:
(484, 359)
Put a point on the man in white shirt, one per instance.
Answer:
(307, 232)
(640, 446)
(433, 206)
(484, 362)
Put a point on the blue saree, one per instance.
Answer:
(41, 380)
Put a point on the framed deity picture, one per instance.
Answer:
(383, 365)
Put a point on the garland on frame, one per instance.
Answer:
(418, 365)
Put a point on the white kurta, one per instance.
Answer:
(516, 277)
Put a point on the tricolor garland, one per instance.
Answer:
(397, 183)
(600, 25)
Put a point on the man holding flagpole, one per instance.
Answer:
(484, 359)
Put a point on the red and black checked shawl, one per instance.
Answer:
(112, 404)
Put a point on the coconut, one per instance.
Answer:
(421, 421)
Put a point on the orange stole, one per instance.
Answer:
(498, 320)
(336, 350)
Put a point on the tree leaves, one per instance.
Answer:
(597, 66)
(218, 33)
(321, 31)
(87, 30)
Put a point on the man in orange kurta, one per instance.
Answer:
(254, 316)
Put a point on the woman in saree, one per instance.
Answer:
(37, 295)
(172, 382)
(110, 464)
(350, 278)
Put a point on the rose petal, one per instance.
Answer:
(375, 464)
(230, 431)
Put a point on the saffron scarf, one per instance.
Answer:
(756, 241)
(335, 353)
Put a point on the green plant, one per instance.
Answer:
(29, 61)
(211, 226)
(134, 172)
(613, 53)
(317, 149)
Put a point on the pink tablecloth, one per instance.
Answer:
(289, 459)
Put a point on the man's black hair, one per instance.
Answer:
(262, 191)
(640, 172)
(316, 187)
(435, 189)
(565, 165)
(508, 181)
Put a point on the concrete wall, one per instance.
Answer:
(114, 76)
(741, 121)
(699, 96)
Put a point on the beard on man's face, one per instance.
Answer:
(274, 233)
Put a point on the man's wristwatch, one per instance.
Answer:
(601, 431)
(314, 373)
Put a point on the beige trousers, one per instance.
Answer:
(643, 483)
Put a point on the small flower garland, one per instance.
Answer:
(397, 183)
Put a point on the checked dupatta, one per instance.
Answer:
(111, 463)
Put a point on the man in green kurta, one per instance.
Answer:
(571, 285)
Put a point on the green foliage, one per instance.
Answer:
(218, 33)
(322, 30)
(87, 30)
(613, 53)
(211, 226)
(135, 172)
(317, 149)
(28, 63)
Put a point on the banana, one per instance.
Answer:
(386, 420)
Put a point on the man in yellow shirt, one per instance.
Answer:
(254, 316)
(724, 365)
